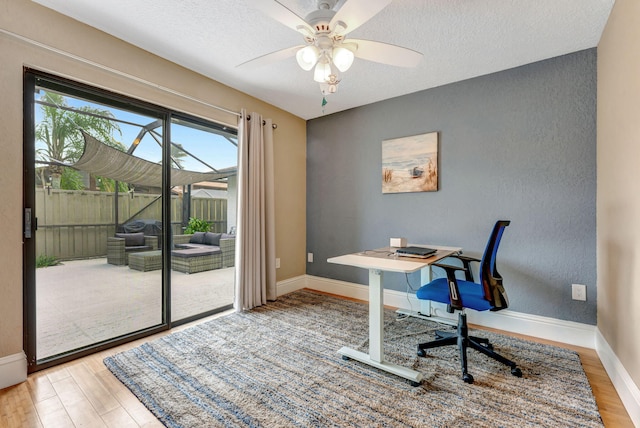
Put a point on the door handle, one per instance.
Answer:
(27, 223)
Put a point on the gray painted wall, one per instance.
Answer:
(517, 145)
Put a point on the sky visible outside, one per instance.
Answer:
(215, 150)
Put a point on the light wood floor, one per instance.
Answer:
(83, 393)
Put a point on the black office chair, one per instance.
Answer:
(459, 294)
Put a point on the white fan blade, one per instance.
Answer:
(385, 53)
(272, 57)
(354, 13)
(283, 14)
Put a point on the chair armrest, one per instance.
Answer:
(181, 239)
(466, 258)
(115, 242)
(227, 244)
(115, 251)
(151, 241)
(454, 292)
(228, 248)
(448, 267)
(466, 262)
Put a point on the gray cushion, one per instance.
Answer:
(212, 238)
(228, 236)
(137, 248)
(197, 238)
(132, 239)
(194, 252)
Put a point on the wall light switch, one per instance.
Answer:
(277, 263)
(310, 257)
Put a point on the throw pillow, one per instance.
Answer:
(197, 238)
(212, 239)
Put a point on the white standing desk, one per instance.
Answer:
(377, 262)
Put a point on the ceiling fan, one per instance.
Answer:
(326, 48)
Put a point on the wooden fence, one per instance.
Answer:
(75, 224)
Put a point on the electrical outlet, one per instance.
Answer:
(277, 263)
(579, 292)
(310, 257)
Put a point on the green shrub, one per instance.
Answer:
(46, 261)
(71, 180)
(196, 225)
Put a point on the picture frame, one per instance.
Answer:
(410, 164)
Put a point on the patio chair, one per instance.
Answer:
(122, 244)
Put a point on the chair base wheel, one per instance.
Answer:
(415, 384)
(344, 357)
(464, 341)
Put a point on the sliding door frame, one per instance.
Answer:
(31, 77)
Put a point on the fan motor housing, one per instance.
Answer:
(320, 19)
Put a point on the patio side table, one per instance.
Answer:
(193, 260)
(146, 260)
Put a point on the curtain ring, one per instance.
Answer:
(273, 126)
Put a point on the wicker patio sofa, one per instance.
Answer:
(122, 244)
(186, 247)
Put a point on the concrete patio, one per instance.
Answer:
(82, 302)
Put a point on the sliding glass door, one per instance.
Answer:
(101, 214)
(204, 157)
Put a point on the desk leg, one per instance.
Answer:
(376, 318)
(375, 357)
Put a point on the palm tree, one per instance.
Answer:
(59, 130)
(178, 155)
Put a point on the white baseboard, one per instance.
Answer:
(627, 390)
(292, 284)
(13, 369)
(569, 332)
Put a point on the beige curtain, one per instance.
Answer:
(255, 253)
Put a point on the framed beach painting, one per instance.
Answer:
(410, 164)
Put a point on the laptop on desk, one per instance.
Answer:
(420, 252)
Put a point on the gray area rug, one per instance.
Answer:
(277, 366)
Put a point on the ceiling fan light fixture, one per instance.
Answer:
(307, 57)
(342, 57)
(322, 72)
(327, 50)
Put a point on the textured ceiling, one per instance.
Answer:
(460, 39)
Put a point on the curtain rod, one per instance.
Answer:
(114, 71)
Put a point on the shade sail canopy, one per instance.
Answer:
(105, 161)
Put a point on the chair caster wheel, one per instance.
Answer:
(467, 378)
(344, 357)
(415, 384)
(489, 347)
(516, 372)
(421, 353)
